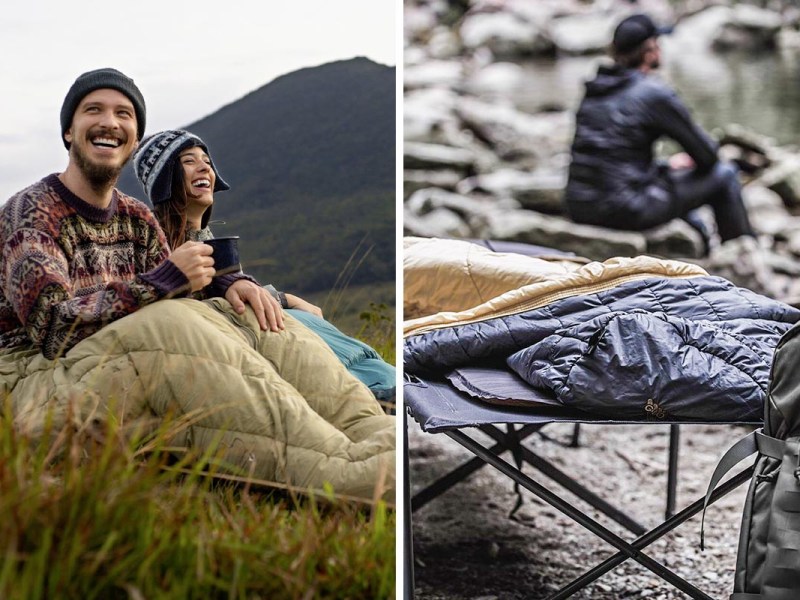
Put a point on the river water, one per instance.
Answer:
(758, 90)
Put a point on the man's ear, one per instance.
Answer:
(68, 135)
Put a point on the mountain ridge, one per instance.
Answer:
(310, 158)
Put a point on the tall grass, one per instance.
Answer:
(89, 514)
(378, 330)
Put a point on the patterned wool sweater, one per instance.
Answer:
(67, 268)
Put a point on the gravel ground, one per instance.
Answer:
(466, 546)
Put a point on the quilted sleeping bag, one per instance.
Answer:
(630, 338)
(280, 405)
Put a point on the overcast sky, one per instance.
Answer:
(188, 58)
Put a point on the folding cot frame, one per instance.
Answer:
(439, 408)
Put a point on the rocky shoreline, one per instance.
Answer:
(478, 167)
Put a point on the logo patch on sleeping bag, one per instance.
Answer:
(654, 409)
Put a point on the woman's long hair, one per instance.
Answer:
(171, 214)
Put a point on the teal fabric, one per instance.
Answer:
(359, 358)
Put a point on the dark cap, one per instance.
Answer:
(634, 30)
(96, 80)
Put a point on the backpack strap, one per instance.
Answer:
(757, 441)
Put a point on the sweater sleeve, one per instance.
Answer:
(673, 119)
(37, 280)
(219, 285)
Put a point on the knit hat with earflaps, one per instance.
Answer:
(97, 80)
(154, 163)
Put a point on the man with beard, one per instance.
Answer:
(79, 253)
(614, 179)
(93, 328)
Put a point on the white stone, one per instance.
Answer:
(499, 76)
(504, 33)
(555, 232)
(583, 34)
(423, 156)
(438, 73)
(753, 17)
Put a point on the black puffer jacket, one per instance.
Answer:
(613, 170)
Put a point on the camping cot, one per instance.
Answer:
(715, 321)
(440, 409)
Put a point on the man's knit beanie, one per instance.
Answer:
(96, 80)
(155, 160)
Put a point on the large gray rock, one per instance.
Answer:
(414, 180)
(418, 21)
(734, 133)
(676, 239)
(766, 209)
(417, 155)
(440, 222)
(428, 112)
(752, 17)
(504, 33)
(539, 191)
(444, 44)
(496, 77)
(748, 264)
(429, 199)
(697, 31)
(555, 232)
(516, 136)
(433, 73)
(429, 117)
(792, 236)
(541, 12)
(583, 33)
(783, 177)
(788, 39)
(472, 211)
(749, 27)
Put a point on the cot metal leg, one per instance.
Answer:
(567, 482)
(576, 436)
(444, 483)
(672, 471)
(579, 517)
(408, 535)
(447, 481)
(652, 535)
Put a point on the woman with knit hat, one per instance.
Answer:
(178, 175)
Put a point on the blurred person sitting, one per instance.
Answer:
(614, 178)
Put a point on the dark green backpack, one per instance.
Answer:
(768, 558)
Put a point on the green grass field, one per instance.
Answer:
(96, 514)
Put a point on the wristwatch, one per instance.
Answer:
(282, 300)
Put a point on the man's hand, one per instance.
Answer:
(681, 161)
(300, 304)
(268, 310)
(195, 262)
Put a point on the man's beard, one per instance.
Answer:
(100, 177)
